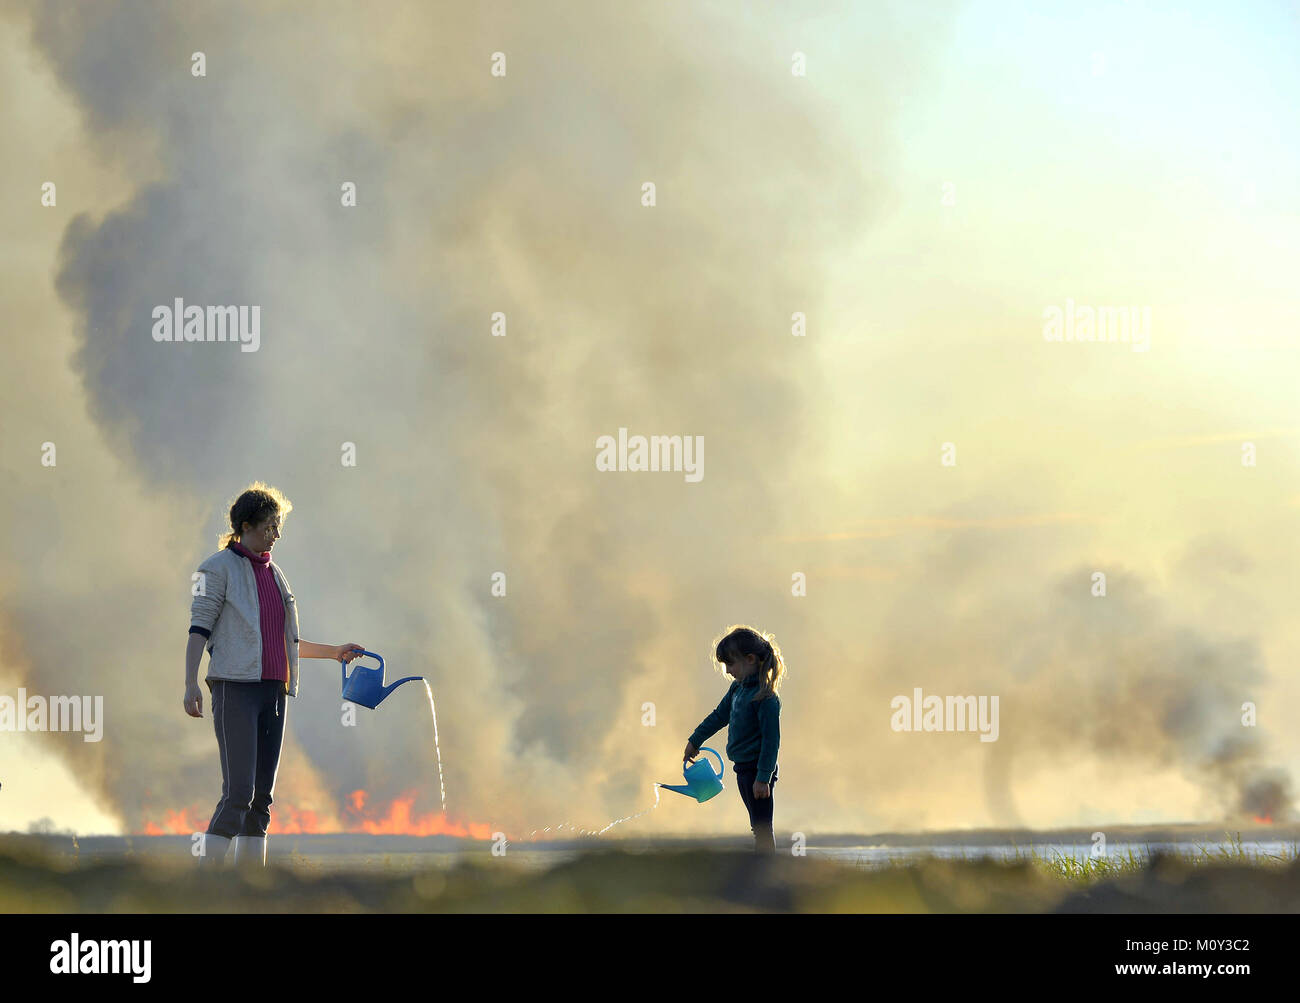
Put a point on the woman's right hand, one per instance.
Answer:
(690, 753)
(193, 700)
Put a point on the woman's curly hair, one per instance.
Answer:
(255, 505)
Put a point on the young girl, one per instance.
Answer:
(752, 712)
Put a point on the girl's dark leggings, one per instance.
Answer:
(760, 809)
(249, 720)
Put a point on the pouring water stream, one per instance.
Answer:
(366, 687)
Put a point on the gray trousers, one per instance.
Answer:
(249, 721)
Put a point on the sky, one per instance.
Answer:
(936, 180)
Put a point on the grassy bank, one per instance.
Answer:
(1220, 878)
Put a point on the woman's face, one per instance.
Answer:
(261, 538)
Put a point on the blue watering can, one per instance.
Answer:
(701, 782)
(366, 687)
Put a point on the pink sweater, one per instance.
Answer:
(275, 660)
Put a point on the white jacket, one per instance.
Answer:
(228, 615)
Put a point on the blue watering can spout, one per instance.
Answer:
(392, 686)
(366, 685)
(702, 782)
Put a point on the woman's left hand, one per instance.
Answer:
(347, 652)
(762, 790)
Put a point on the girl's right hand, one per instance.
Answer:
(193, 700)
(690, 754)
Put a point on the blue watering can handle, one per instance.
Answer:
(721, 767)
(365, 654)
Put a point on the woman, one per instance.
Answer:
(245, 614)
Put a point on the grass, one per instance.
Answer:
(1230, 851)
(1086, 870)
(1219, 878)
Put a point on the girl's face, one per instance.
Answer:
(261, 538)
(742, 669)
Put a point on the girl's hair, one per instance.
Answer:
(740, 641)
(257, 503)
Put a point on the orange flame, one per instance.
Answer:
(177, 823)
(398, 818)
(1264, 819)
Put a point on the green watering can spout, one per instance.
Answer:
(702, 782)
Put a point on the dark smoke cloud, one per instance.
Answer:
(476, 454)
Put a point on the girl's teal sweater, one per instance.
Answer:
(753, 729)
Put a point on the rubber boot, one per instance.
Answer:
(764, 838)
(250, 852)
(214, 852)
